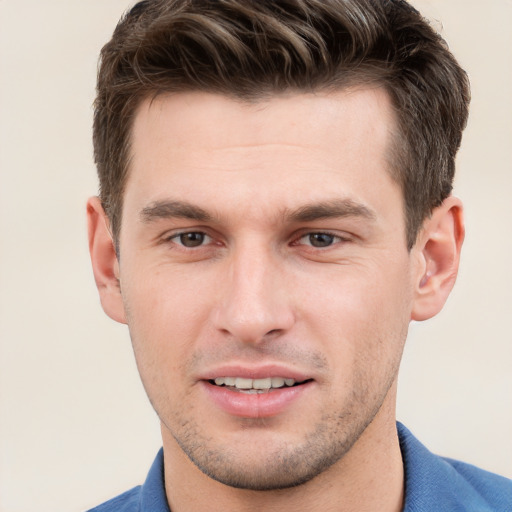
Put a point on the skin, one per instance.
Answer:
(270, 237)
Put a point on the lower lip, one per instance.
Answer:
(257, 405)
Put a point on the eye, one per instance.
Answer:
(320, 240)
(190, 239)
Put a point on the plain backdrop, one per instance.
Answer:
(75, 425)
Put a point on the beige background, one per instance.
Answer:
(75, 425)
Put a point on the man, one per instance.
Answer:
(275, 207)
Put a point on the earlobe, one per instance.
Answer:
(104, 260)
(439, 245)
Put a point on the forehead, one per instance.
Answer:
(285, 149)
(218, 121)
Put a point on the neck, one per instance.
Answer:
(369, 477)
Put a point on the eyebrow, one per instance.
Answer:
(335, 208)
(173, 209)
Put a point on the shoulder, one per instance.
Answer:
(126, 502)
(438, 483)
(494, 489)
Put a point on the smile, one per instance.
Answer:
(245, 385)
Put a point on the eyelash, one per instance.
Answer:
(177, 236)
(336, 238)
(177, 239)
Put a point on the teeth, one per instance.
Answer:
(278, 382)
(262, 383)
(256, 384)
(241, 383)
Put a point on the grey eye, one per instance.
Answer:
(320, 239)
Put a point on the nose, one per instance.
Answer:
(254, 304)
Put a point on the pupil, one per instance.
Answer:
(321, 239)
(192, 239)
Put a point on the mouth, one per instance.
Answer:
(256, 386)
(257, 392)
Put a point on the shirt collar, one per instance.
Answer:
(432, 482)
(152, 496)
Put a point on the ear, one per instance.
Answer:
(439, 244)
(104, 261)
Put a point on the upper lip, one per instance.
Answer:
(255, 372)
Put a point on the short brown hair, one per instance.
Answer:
(249, 49)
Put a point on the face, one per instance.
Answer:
(265, 278)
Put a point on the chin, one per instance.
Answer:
(274, 474)
(262, 463)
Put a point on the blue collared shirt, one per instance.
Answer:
(432, 484)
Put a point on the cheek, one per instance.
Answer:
(363, 312)
(367, 291)
(167, 300)
(165, 314)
